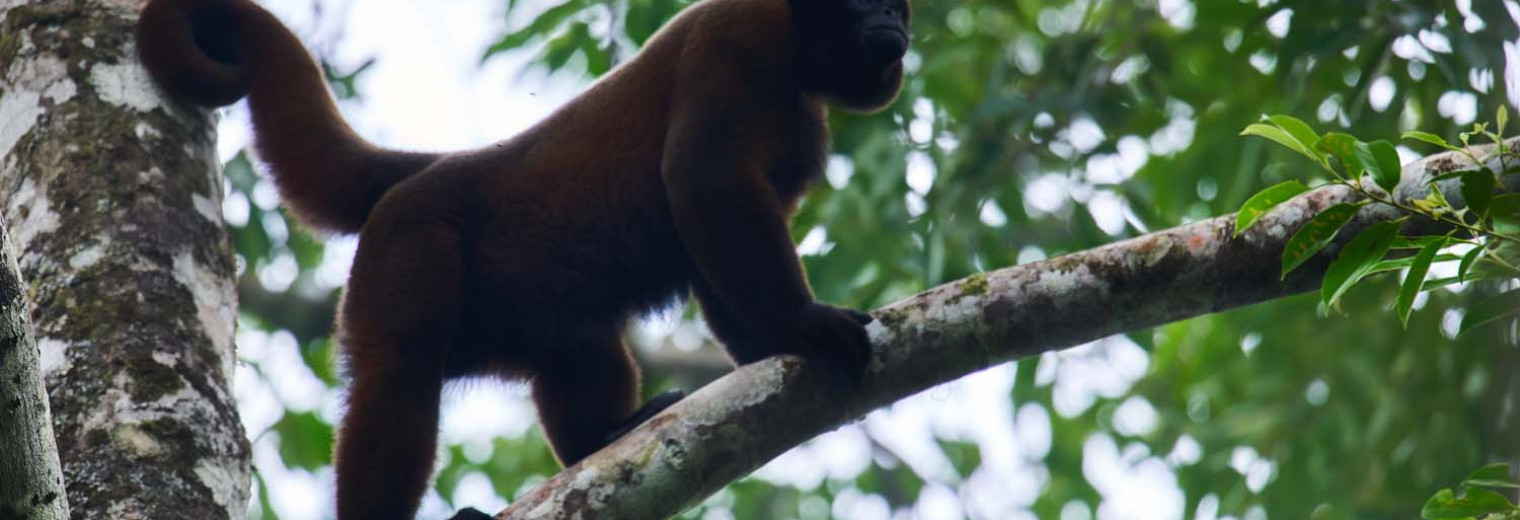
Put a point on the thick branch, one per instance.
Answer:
(743, 420)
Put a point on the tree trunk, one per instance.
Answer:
(31, 483)
(115, 200)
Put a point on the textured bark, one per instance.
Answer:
(31, 482)
(738, 423)
(114, 198)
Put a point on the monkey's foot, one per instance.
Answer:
(650, 409)
(470, 513)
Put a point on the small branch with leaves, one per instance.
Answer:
(1467, 215)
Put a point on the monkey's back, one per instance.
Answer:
(568, 224)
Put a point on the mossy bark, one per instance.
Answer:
(114, 199)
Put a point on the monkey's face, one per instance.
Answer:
(880, 28)
(854, 49)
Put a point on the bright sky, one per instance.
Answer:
(429, 91)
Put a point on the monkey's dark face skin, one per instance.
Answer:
(852, 49)
(881, 28)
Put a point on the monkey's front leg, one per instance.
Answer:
(736, 232)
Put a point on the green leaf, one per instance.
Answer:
(1356, 260)
(1404, 263)
(1492, 475)
(1315, 235)
(543, 26)
(1434, 203)
(318, 356)
(899, 485)
(1346, 149)
(598, 58)
(1416, 242)
(1263, 202)
(305, 440)
(1282, 137)
(1415, 280)
(446, 479)
(1505, 207)
(1436, 507)
(307, 249)
(1490, 310)
(1475, 502)
(1468, 260)
(1478, 191)
(965, 457)
(1438, 283)
(1301, 132)
(1429, 138)
(1389, 169)
(1501, 119)
(1439, 196)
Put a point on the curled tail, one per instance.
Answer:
(214, 52)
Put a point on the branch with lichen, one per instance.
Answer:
(738, 423)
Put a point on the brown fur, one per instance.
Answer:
(526, 259)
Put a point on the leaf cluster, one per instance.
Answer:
(1474, 226)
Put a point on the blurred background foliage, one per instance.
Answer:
(1029, 129)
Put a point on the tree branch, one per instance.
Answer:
(739, 422)
(31, 479)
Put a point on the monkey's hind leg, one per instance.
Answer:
(586, 392)
(651, 408)
(742, 346)
(400, 316)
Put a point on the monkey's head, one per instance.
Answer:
(851, 50)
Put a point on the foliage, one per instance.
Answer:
(1032, 128)
(1478, 499)
(1476, 237)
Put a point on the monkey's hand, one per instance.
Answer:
(828, 334)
